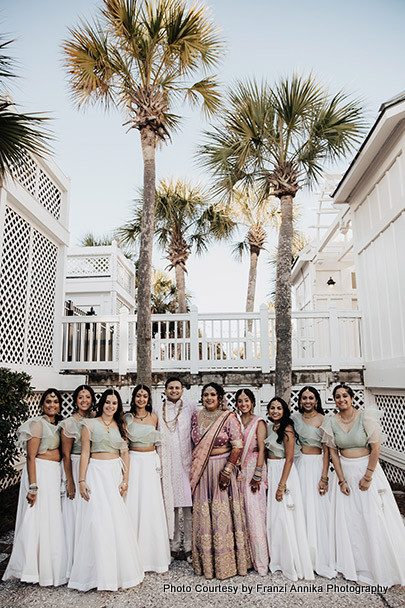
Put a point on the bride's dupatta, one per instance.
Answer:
(203, 450)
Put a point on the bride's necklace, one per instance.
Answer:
(207, 419)
(107, 426)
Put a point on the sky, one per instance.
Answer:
(355, 45)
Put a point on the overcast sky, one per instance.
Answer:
(358, 45)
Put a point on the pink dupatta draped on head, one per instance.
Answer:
(204, 448)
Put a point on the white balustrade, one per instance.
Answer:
(197, 342)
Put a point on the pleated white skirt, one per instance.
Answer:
(287, 539)
(317, 510)
(106, 554)
(69, 512)
(145, 504)
(38, 554)
(369, 532)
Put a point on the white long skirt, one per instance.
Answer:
(317, 510)
(106, 554)
(287, 539)
(69, 513)
(38, 554)
(145, 504)
(369, 532)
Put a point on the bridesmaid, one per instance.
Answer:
(312, 467)
(38, 554)
(144, 498)
(84, 400)
(369, 531)
(288, 544)
(253, 478)
(106, 554)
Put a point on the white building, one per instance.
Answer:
(374, 190)
(100, 280)
(34, 216)
(323, 275)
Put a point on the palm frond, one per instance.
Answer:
(21, 134)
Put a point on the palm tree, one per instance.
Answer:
(280, 138)
(164, 293)
(141, 56)
(19, 133)
(91, 240)
(184, 220)
(257, 216)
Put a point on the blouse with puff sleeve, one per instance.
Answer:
(72, 429)
(365, 430)
(277, 449)
(141, 435)
(308, 435)
(41, 428)
(103, 440)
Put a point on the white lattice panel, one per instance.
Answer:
(125, 278)
(49, 194)
(26, 174)
(394, 474)
(42, 302)
(88, 265)
(393, 421)
(13, 287)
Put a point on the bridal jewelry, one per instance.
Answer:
(211, 417)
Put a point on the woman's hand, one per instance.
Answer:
(344, 488)
(31, 498)
(84, 490)
(364, 483)
(70, 489)
(323, 487)
(224, 481)
(123, 488)
(280, 494)
(254, 485)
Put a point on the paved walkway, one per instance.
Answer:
(180, 588)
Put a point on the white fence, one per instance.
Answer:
(197, 342)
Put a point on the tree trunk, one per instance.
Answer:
(181, 288)
(250, 299)
(144, 330)
(283, 301)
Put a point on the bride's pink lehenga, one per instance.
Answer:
(220, 547)
(255, 503)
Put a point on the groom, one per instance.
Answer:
(174, 416)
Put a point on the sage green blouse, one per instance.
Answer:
(277, 449)
(141, 435)
(308, 435)
(365, 430)
(72, 428)
(39, 427)
(103, 440)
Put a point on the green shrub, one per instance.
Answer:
(14, 389)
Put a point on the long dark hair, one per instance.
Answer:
(49, 391)
(84, 387)
(248, 394)
(318, 404)
(118, 414)
(219, 390)
(134, 394)
(285, 420)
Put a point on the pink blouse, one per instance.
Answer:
(230, 432)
